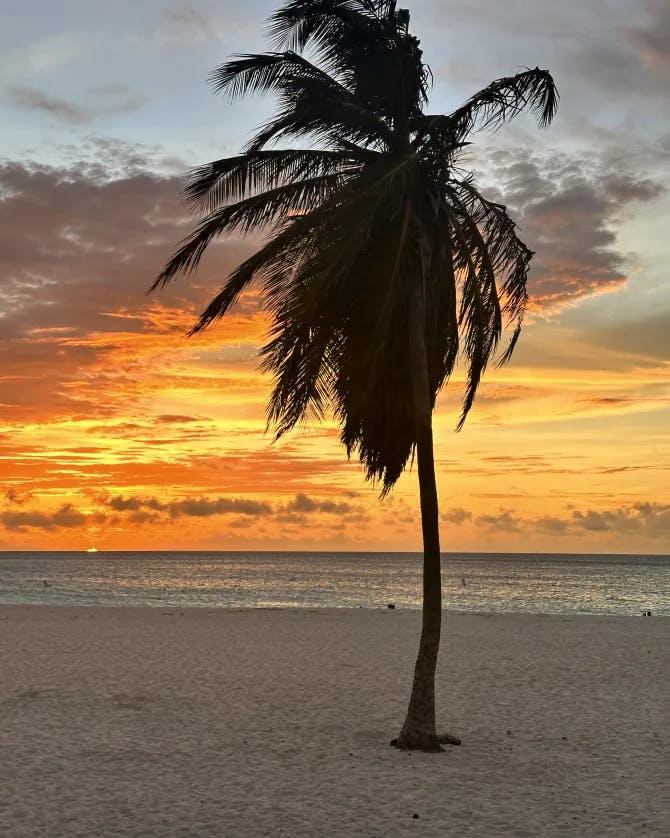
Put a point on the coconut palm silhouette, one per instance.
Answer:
(384, 263)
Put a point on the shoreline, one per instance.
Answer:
(143, 721)
(314, 609)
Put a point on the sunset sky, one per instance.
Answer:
(119, 432)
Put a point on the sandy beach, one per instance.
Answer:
(152, 722)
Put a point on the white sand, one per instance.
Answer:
(146, 722)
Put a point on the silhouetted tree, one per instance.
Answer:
(385, 262)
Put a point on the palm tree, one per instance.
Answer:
(384, 262)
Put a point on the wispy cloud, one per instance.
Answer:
(652, 37)
(36, 100)
(187, 23)
(102, 101)
(48, 54)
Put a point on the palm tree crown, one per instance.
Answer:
(371, 211)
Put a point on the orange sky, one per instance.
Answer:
(119, 432)
(136, 437)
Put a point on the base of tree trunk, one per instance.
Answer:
(448, 739)
(428, 744)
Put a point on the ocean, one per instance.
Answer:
(475, 582)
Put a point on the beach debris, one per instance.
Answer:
(415, 816)
(390, 605)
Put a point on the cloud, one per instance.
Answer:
(302, 504)
(78, 249)
(551, 525)
(204, 507)
(105, 100)
(175, 419)
(457, 515)
(15, 498)
(134, 509)
(651, 39)
(568, 208)
(79, 245)
(191, 507)
(29, 99)
(48, 54)
(141, 516)
(504, 520)
(66, 517)
(645, 519)
(133, 504)
(610, 68)
(187, 25)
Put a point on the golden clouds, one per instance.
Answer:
(116, 429)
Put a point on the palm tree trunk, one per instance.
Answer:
(418, 731)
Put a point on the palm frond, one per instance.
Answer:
(504, 98)
(301, 238)
(323, 120)
(297, 356)
(477, 317)
(268, 71)
(251, 213)
(510, 256)
(234, 178)
(274, 261)
(307, 93)
(298, 22)
(250, 73)
(487, 248)
(369, 210)
(359, 42)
